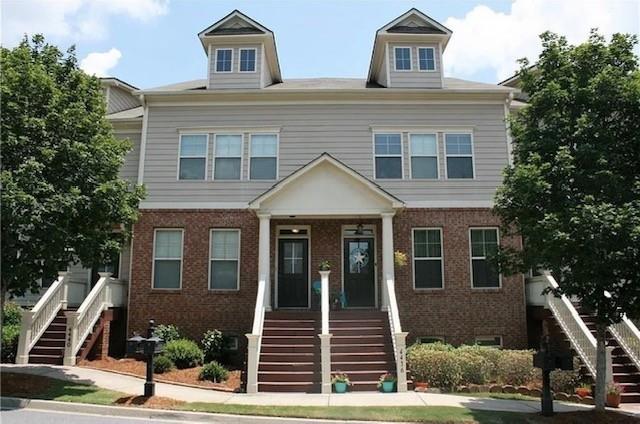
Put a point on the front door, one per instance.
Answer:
(293, 273)
(359, 273)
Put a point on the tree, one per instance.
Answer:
(573, 192)
(61, 194)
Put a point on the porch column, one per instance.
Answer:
(264, 260)
(387, 254)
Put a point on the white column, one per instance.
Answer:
(65, 289)
(72, 338)
(387, 255)
(401, 360)
(24, 341)
(325, 336)
(264, 259)
(252, 362)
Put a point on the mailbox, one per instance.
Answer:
(154, 345)
(148, 347)
(548, 359)
(134, 345)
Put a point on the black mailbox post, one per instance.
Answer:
(548, 360)
(148, 347)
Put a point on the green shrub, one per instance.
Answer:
(184, 353)
(168, 333)
(566, 381)
(440, 346)
(516, 367)
(162, 364)
(11, 314)
(10, 336)
(214, 371)
(474, 368)
(491, 354)
(214, 346)
(438, 367)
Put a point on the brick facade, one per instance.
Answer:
(457, 312)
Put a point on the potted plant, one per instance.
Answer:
(324, 266)
(340, 382)
(387, 382)
(400, 259)
(584, 390)
(614, 393)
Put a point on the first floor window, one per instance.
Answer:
(427, 258)
(193, 157)
(224, 60)
(224, 261)
(426, 59)
(424, 156)
(388, 155)
(459, 152)
(484, 244)
(247, 60)
(167, 260)
(430, 339)
(264, 157)
(403, 58)
(489, 341)
(228, 157)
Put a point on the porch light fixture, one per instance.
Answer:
(359, 230)
(295, 230)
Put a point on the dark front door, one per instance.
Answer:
(293, 273)
(359, 274)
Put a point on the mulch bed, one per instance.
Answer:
(187, 376)
(156, 402)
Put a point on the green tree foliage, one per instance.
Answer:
(573, 191)
(61, 194)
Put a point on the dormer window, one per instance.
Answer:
(426, 59)
(403, 58)
(247, 60)
(224, 60)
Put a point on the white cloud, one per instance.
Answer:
(71, 20)
(99, 64)
(486, 40)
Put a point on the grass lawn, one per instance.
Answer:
(36, 387)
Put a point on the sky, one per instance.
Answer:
(150, 43)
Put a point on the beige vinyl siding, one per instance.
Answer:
(235, 79)
(415, 78)
(129, 170)
(307, 131)
(120, 100)
(125, 262)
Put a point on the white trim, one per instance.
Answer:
(143, 144)
(471, 258)
(446, 155)
(395, 67)
(317, 102)
(373, 140)
(234, 14)
(440, 258)
(225, 129)
(373, 237)
(441, 65)
(153, 258)
(277, 250)
(387, 63)
(423, 156)
(419, 14)
(508, 133)
(206, 156)
(255, 60)
(422, 129)
(215, 66)
(213, 164)
(211, 259)
(435, 62)
(491, 338)
(262, 65)
(277, 156)
(412, 204)
(209, 60)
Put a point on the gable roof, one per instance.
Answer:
(234, 25)
(409, 22)
(117, 82)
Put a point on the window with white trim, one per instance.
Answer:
(402, 58)
(227, 155)
(484, 244)
(459, 154)
(489, 341)
(264, 157)
(424, 156)
(224, 60)
(224, 260)
(388, 155)
(247, 60)
(193, 157)
(430, 339)
(426, 59)
(232, 343)
(427, 258)
(167, 259)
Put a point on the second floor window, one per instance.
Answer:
(459, 152)
(427, 258)
(484, 244)
(224, 60)
(228, 157)
(167, 259)
(193, 157)
(424, 156)
(388, 155)
(426, 59)
(403, 58)
(264, 157)
(247, 60)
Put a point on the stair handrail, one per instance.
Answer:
(36, 321)
(398, 337)
(628, 336)
(254, 338)
(580, 337)
(81, 322)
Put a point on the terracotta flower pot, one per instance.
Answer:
(583, 392)
(613, 400)
(421, 385)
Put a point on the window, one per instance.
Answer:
(403, 58)
(167, 259)
(490, 341)
(224, 60)
(224, 260)
(484, 243)
(430, 339)
(427, 258)
(232, 343)
(459, 152)
(424, 156)
(264, 157)
(193, 157)
(426, 59)
(388, 155)
(228, 157)
(247, 60)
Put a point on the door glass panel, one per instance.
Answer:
(293, 260)
(358, 257)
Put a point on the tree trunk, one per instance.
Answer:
(601, 366)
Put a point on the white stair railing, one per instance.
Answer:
(628, 336)
(36, 321)
(325, 336)
(398, 337)
(254, 338)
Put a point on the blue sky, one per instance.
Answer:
(154, 42)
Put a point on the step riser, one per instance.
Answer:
(627, 378)
(356, 366)
(290, 324)
(54, 335)
(51, 351)
(50, 343)
(351, 331)
(630, 398)
(290, 332)
(289, 349)
(279, 388)
(286, 340)
(33, 359)
(289, 377)
(361, 349)
(285, 367)
(333, 325)
(266, 357)
(349, 340)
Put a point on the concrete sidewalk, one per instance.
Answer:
(134, 386)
